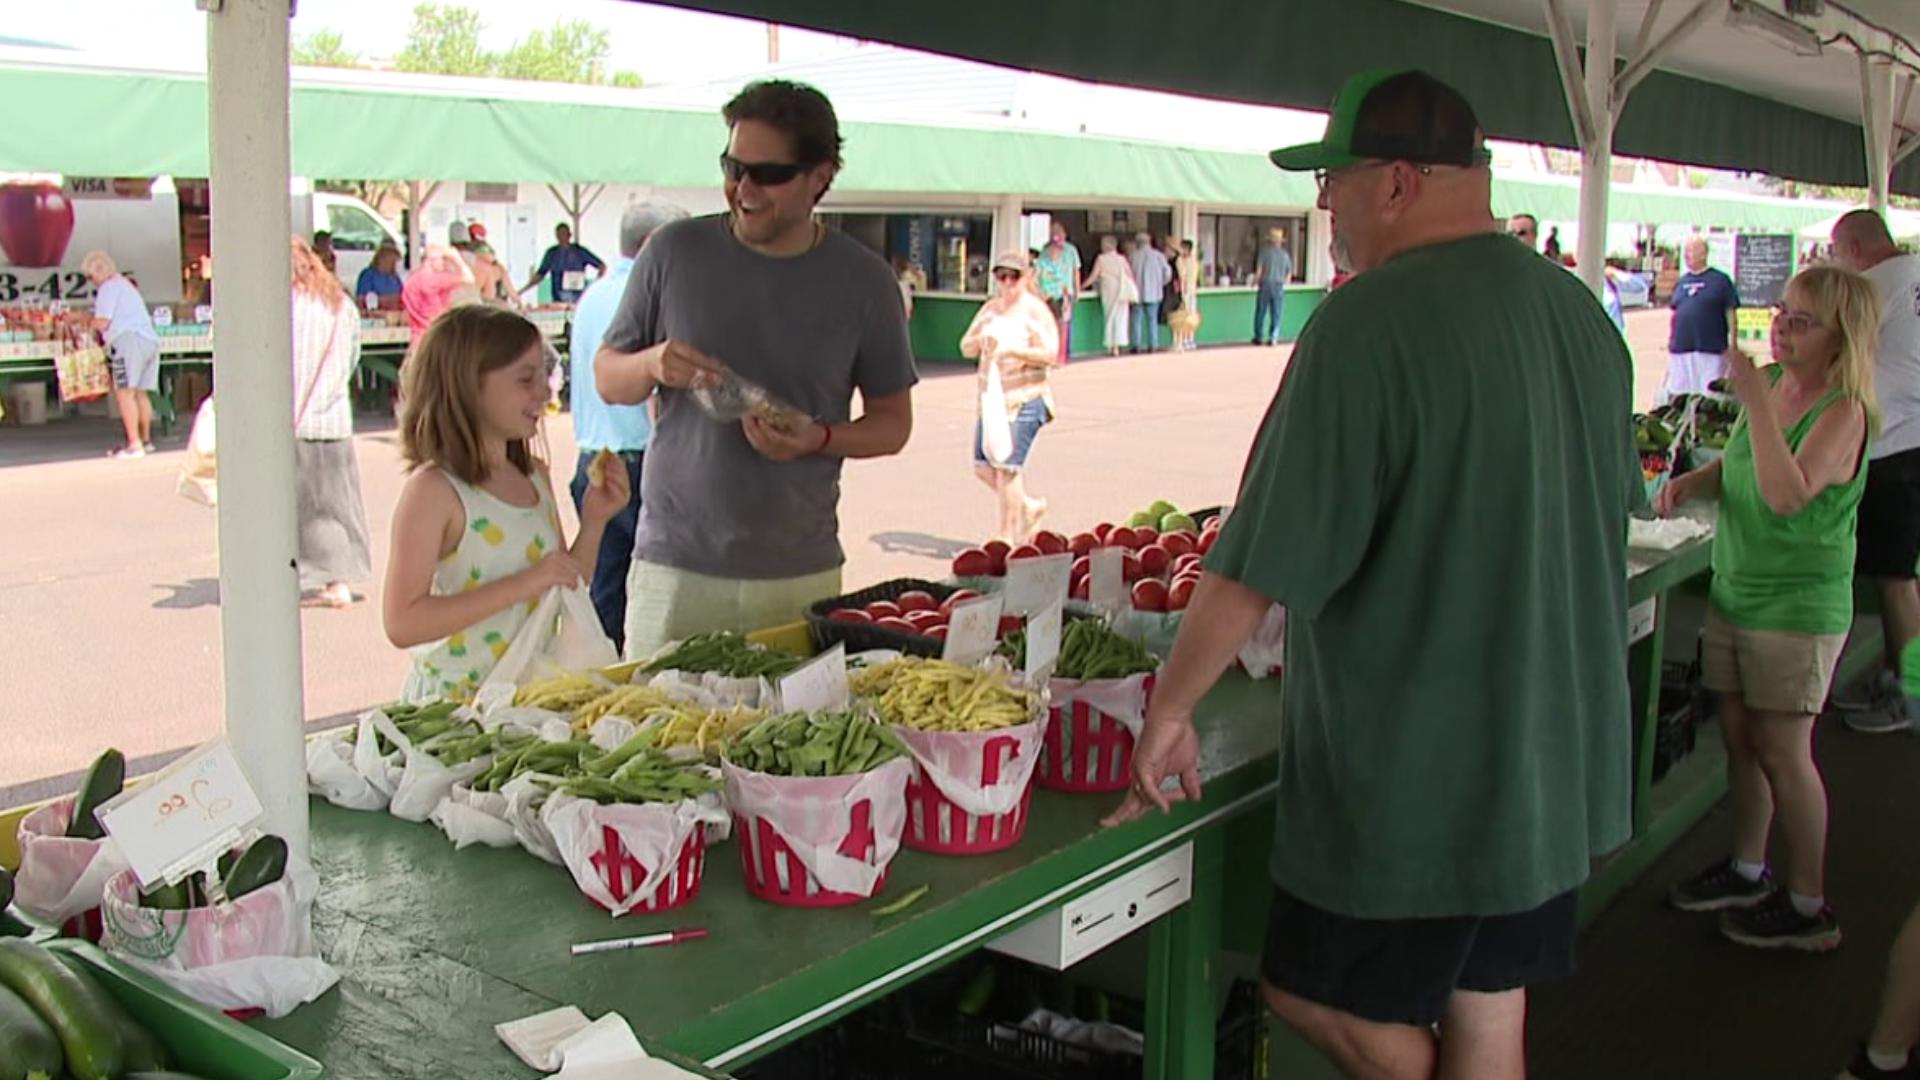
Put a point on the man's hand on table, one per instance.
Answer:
(1168, 746)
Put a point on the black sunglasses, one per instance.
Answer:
(1006, 275)
(762, 173)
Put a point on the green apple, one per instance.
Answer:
(1178, 522)
(1161, 508)
(1144, 517)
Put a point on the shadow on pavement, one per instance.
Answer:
(911, 543)
(195, 593)
(73, 438)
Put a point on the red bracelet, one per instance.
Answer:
(826, 437)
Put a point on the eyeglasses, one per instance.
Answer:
(762, 173)
(1795, 322)
(1321, 176)
(1006, 275)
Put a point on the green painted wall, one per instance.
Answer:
(1226, 318)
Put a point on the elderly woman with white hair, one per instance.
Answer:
(121, 316)
(1112, 279)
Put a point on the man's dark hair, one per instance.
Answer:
(1531, 220)
(322, 237)
(801, 113)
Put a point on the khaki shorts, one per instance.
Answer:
(1771, 670)
(665, 605)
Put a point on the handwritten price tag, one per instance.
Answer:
(1032, 584)
(1106, 586)
(821, 684)
(972, 631)
(1043, 642)
(185, 817)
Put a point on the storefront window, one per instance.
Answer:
(1230, 245)
(1086, 227)
(950, 249)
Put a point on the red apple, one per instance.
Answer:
(884, 609)
(1179, 542)
(1024, 551)
(1154, 560)
(1213, 523)
(1082, 567)
(973, 562)
(1150, 594)
(1130, 569)
(1010, 623)
(894, 622)
(1050, 543)
(954, 601)
(917, 600)
(1083, 543)
(1181, 594)
(1082, 589)
(1206, 541)
(1145, 534)
(1103, 532)
(1181, 562)
(938, 633)
(924, 621)
(1121, 537)
(997, 548)
(36, 222)
(849, 615)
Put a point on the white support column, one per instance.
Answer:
(1876, 124)
(1596, 154)
(248, 94)
(1186, 222)
(1006, 226)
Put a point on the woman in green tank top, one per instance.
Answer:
(1789, 486)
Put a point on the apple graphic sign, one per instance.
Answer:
(36, 222)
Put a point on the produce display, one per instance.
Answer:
(636, 703)
(1162, 553)
(417, 722)
(1089, 649)
(915, 612)
(728, 654)
(562, 693)
(56, 1020)
(706, 732)
(933, 695)
(821, 743)
(559, 759)
(263, 863)
(637, 772)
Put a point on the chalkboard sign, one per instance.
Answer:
(1761, 267)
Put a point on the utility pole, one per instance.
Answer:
(773, 43)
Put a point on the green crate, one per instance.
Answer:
(201, 1041)
(16, 923)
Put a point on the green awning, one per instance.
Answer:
(142, 124)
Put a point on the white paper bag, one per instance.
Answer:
(813, 816)
(60, 876)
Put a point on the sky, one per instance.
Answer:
(663, 44)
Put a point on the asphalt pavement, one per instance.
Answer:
(109, 588)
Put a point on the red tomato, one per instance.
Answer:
(997, 548)
(1103, 532)
(1179, 543)
(1010, 623)
(1122, 537)
(917, 600)
(1150, 594)
(973, 562)
(1144, 535)
(884, 609)
(938, 633)
(1050, 543)
(894, 622)
(849, 615)
(954, 601)
(1082, 589)
(924, 621)
(1082, 567)
(1181, 594)
(1206, 541)
(1130, 569)
(1154, 560)
(1181, 562)
(1024, 551)
(1083, 543)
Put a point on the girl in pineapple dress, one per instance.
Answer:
(477, 538)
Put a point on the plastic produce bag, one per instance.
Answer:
(735, 398)
(252, 953)
(424, 781)
(382, 772)
(996, 429)
(563, 634)
(471, 817)
(200, 474)
(842, 831)
(1266, 650)
(331, 774)
(627, 857)
(61, 877)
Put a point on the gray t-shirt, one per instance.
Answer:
(812, 329)
(1896, 377)
(1276, 266)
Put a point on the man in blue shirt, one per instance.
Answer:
(1697, 345)
(1151, 272)
(619, 429)
(1270, 277)
(567, 262)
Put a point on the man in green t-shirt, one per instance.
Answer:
(1439, 497)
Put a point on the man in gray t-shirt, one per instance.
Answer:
(739, 524)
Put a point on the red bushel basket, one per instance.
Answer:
(818, 841)
(1089, 749)
(622, 873)
(628, 857)
(970, 789)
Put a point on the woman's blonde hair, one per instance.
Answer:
(440, 423)
(311, 276)
(1847, 302)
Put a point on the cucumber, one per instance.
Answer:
(144, 1052)
(158, 1074)
(263, 864)
(105, 777)
(76, 1009)
(175, 897)
(27, 1045)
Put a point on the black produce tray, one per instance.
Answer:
(861, 637)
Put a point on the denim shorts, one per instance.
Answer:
(1026, 425)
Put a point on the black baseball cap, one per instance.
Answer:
(1393, 114)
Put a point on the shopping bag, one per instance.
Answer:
(996, 430)
(563, 634)
(62, 877)
(82, 373)
(199, 475)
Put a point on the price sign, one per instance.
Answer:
(973, 631)
(1640, 620)
(1106, 587)
(1043, 641)
(821, 684)
(1032, 584)
(185, 817)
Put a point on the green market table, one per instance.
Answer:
(437, 946)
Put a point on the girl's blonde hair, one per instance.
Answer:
(311, 276)
(440, 423)
(1848, 303)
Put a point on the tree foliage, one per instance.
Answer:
(445, 41)
(324, 48)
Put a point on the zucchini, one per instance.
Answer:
(105, 777)
(264, 863)
(28, 1047)
(76, 1009)
(175, 897)
(144, 1051)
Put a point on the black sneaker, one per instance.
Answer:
(1776, 924)
(1717, 888)
(1863, 1068)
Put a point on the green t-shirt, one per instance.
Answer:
(1784, 573)
(1439, 495)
